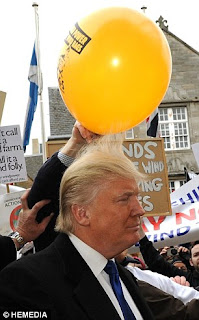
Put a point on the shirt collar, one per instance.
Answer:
(95, 260)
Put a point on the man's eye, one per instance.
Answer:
(124, 199)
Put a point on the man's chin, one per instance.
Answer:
(136, 238)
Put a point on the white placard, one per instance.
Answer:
(195, 148)
(12, 161)
(10, 207)
(182, 226)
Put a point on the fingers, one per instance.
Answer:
(31, 213)
(182, 249)
(40, 204)
(180, 280)
(43, 224)
(24, 199)
(85, 133)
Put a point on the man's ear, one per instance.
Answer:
(80, 214)
(190, 262)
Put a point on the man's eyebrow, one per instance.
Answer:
(128, 193)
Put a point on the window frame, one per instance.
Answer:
(171, 126)
(176, 184)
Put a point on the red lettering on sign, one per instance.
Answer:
(144, 227)
(156, 224)
(180, 215)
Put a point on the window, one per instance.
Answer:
(173, 127)
(129, 134)
(174, 185)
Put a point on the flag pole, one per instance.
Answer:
(40, 87)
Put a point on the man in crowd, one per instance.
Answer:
(99, 217)
(156, 262)
(47, 182)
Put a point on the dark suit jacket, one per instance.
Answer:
(164, 306)
(46, 186)
(7, 251)
(58, 279)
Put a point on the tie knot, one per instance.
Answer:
(111, 268)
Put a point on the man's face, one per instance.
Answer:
(115, 217)
(180, 265)
(194, 261)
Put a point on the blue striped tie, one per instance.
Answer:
(112, 271)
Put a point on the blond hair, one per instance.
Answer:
(100, 162)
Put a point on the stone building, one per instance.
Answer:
(178, 112)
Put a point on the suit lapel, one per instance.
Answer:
(88, 293)
(131, 285)
(93, 299)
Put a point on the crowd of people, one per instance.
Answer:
(83, 214)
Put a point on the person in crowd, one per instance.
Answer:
(124, 258)
(47, 182)
(179, 255)
(174, 287)
(168, 252)
(99, 217)
(27, 229)
(157, 263)
(76, 275)
(178, 263)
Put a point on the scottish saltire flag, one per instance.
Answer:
(32, 102)
(152, 124)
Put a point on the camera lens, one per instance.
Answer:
(174, 252)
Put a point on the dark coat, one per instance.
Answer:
(164, 306)
(46, 186)
(7, 251)
(59, 280)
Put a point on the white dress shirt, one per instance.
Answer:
(96, 263)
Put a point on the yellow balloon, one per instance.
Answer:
(114, 69)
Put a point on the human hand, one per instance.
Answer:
(83, 135)
(180, 280)
(27, 225)
(183, 249)
(80, 137)
(164, 251)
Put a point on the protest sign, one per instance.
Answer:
(182, 226)
(148, 156)
(12, 161)
(10, 206)
(195, 148)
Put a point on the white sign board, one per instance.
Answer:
(10, 207)
(12, 161)
(195, 148)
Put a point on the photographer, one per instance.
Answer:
(178, 256)
(156, 262)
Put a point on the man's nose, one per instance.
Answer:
(137, 208)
